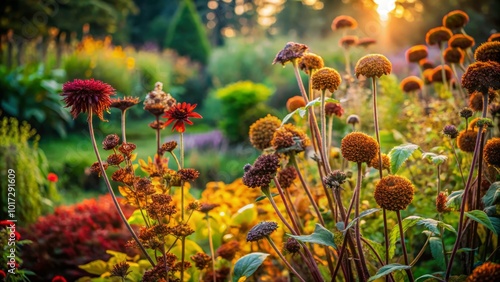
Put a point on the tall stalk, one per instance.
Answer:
(403, 245)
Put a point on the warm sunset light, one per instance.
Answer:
(384, 7)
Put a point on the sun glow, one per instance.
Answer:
(384, 7)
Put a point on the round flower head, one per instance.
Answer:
(494, 37)
(480, 76)
(476, 102)
(394, 193)
(124, 103)
(262, 131)
(157, 101)
(491, 152)
(332, 109)
(358, 147)
(461, 41)
(466, 140)
(416, 53)
(352, 119)
(348, 41)
(326, 78)
(426, 64)
(294, 103)
(453, 55)
(87, 96)
(373, 65)
(291, 52)
(488, 51)
(386, 162)
(262, 172)
(180, 114)
(438, 35)
(292, 246)
(466, 112)
(437, 75)
(261, 231)
(110, 141)
(486, 272)
(289, 138)
(286, 176)
(455, 19)
(451, 131)
(411, 84)
(201, 260)
(344, 21)
(310, 62)
(365, 42)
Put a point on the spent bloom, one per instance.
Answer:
(291, 52)
(394, 192)
(491, 152)
(488, 51)
(480, 76)
(358, 147)
(487, 271)
(289, 138)
(333, 109)
(450, 131)
(438, 35)
(180, 114)
(157, 101)
(262, 131)
(373, 65)
(124, 103)
(461, 41)
(87, 96)
(261, 230)
(416, 53)
(411, 84)
(294, 103)
(311, 62)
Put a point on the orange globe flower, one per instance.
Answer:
(180, 114)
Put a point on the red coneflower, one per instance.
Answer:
(52, 177)
(87, 96)
(180, 113)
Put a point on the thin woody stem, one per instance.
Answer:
(288, 265)
(124, 136)
(403, 245)
(211, 244)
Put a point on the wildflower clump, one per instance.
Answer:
(394, 192)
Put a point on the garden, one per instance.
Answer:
(247, 140)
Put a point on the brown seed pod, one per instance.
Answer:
(461, 41)
(310, 62)
(394, 192)
(358, 147)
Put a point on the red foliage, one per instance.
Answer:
(72, 236)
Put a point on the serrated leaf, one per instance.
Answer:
(481, 217)
(361, 215)
(394, 235)
(97, 267)
(320, 236)
(454, 200)
(437, 251)
(492, 196)
(247, 265)
(389, 268)
(260, 198)
(400, 154)
(303, 110)
(434, 158)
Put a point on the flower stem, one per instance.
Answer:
(158, 136)
(183, 240)
(287, 206)
(111, 192)
(124, 136)
(403, 245)
(357, 232)
(458, 162)
(323, 130)
(443, 73)
(211, 244)
(288, 265)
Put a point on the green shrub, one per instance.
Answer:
(242, 104)
(24, 160)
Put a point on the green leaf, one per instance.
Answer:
(320, 236)
(137, 218)
(492, 195)
(437, 251)
(260, 198)
(495, 221)
(481, 217)
(303, 110)
(464, 250)
(246, 214)
(434, 158)
(454, 200)
(247, 265)
(394, 235)
(97, 267)
(435, 225)
(439, 278)
(400, 154)
(363, 214)
(389, 268)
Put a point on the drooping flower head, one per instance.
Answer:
(487, 271)
(326, 79)
(411, 84)
(438, 35)
(291, 52)
(294, 103)
(488, 51)
(358, 147)
(310, 62)
(461, 41)
(373, 65)
(124, 103)
(394, 192)
(494, 37)
(262, 131)
(480, 76)
(466, 112)
(416, 53)
(344, 21)
(453, 55)
(87, 96)
(491, 152)
(334, 179)
(456, 19)
(261, 231)
(180, 114)
(352, 119)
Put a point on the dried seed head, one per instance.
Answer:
(441, 200)
(416, 53)
(437, 75)
(373, 65)
(466, 112)
(228, 250)
(481, 76)
(261, 230)
(491, 152)
(311, 62)
(292, 246)
(127, 149)
(124, 103)
(121, 269)
(289, 138)
(334, 179)
(110, 141)
(454, 55)
(286, 176)
(262, 131)
(188, 174)
(292, 51)
(466, 140)
(207, 207)
(115, 159)
(353, 119)
(358, 147)
(394, 193)
(451, 131)
(168, 147)
(386, 162)
(426, 64)
(182, 230)
(333, 109)
(95, 168)
(488, 51)
(157, 101)
(326, 79)
(486, 272)
(158, 125)
(201, 260)
(262, 172)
